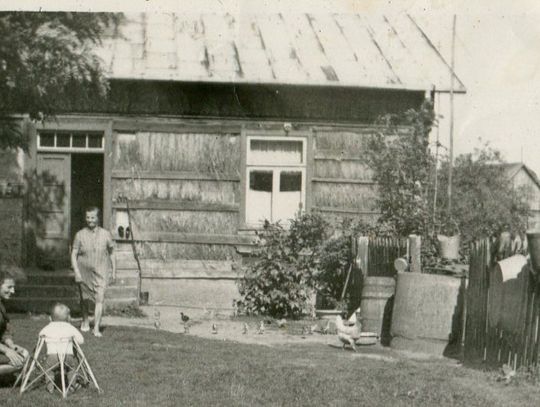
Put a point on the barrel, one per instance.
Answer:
(427, 313)
(376, 305)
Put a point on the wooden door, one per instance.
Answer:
(52, 210)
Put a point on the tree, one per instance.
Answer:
(47, 60)
(400, 158)
(484, 201)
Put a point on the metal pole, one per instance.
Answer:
(451, 163)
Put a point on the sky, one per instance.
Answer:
(497, 56)
(498, 59)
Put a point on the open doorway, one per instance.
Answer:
(86, 187)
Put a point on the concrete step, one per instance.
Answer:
(124, 255)
(123, 277)
(126, 280)
(50, 291)
(66, 292)
(121, 292)
(52, 278)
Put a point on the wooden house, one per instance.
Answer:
(214, 123)
(527, 183)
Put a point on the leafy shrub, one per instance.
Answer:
(281, 279)
(290, 264)
(333, 261)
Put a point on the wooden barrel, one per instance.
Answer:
(377, 295)
(427, 313)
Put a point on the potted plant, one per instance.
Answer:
(449, 238)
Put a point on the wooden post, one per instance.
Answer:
(362, 246)
(415, 245)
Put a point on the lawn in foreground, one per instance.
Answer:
(138, 367)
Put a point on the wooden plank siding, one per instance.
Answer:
(342, 183)
(182, 190)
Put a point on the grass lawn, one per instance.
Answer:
(138, 367)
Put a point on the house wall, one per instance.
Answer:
(177, 153)
(183, 180)
(531, 190)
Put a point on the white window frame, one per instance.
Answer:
(276, 168)
(70, 149)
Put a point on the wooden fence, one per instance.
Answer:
(375, 257)
(491, 345)
(382, 252)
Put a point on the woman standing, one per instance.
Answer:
(91, 258)
(12, 356)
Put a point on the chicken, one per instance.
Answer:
(184, 317)
(326, 328)
(347, 334)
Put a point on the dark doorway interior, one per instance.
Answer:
(86, 187)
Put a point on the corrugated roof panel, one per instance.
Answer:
(336, 49)
(306, 48)
(436, 67)
(369, 58)
(318, 49)
(393, 52)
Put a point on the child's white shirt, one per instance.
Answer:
(57, 335)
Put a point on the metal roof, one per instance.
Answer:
(350, 50)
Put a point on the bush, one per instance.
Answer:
(291, 264)
(281, 279)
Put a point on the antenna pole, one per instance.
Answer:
(451, 163)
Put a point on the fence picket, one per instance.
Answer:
(494, 345)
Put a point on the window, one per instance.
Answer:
(276, 178)
(70, 142)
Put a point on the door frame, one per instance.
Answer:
(76, 124)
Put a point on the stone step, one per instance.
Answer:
(50, 291)
(121, 292)
(123, 277)
(52, 278)
(126, 280)
(61, 292)
(124, 255)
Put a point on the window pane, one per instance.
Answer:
(260, 181)
(62, 140)
(289, 198)
(278, 152)
(79, 140)
(259, 197)
(46, 140)
(95, 141)
(290, 181)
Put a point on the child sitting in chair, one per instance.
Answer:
(58, 336)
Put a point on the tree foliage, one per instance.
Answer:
(402, 163)
(282, 276)
(484, 201)
(47, 59)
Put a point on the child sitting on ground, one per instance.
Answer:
(58, 335)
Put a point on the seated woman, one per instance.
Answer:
(12, 356)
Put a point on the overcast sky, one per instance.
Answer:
(497, 56)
